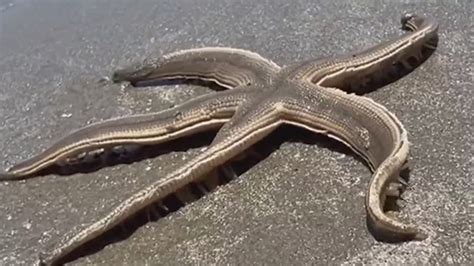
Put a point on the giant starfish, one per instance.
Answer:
(317, 95)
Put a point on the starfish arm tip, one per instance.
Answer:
(6, 175)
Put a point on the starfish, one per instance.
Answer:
(320, 95)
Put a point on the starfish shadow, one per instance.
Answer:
(255, 154)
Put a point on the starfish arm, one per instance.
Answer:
(227, 67)
(240, 136)
(372, 132)
(377, 66)
(200, 114)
